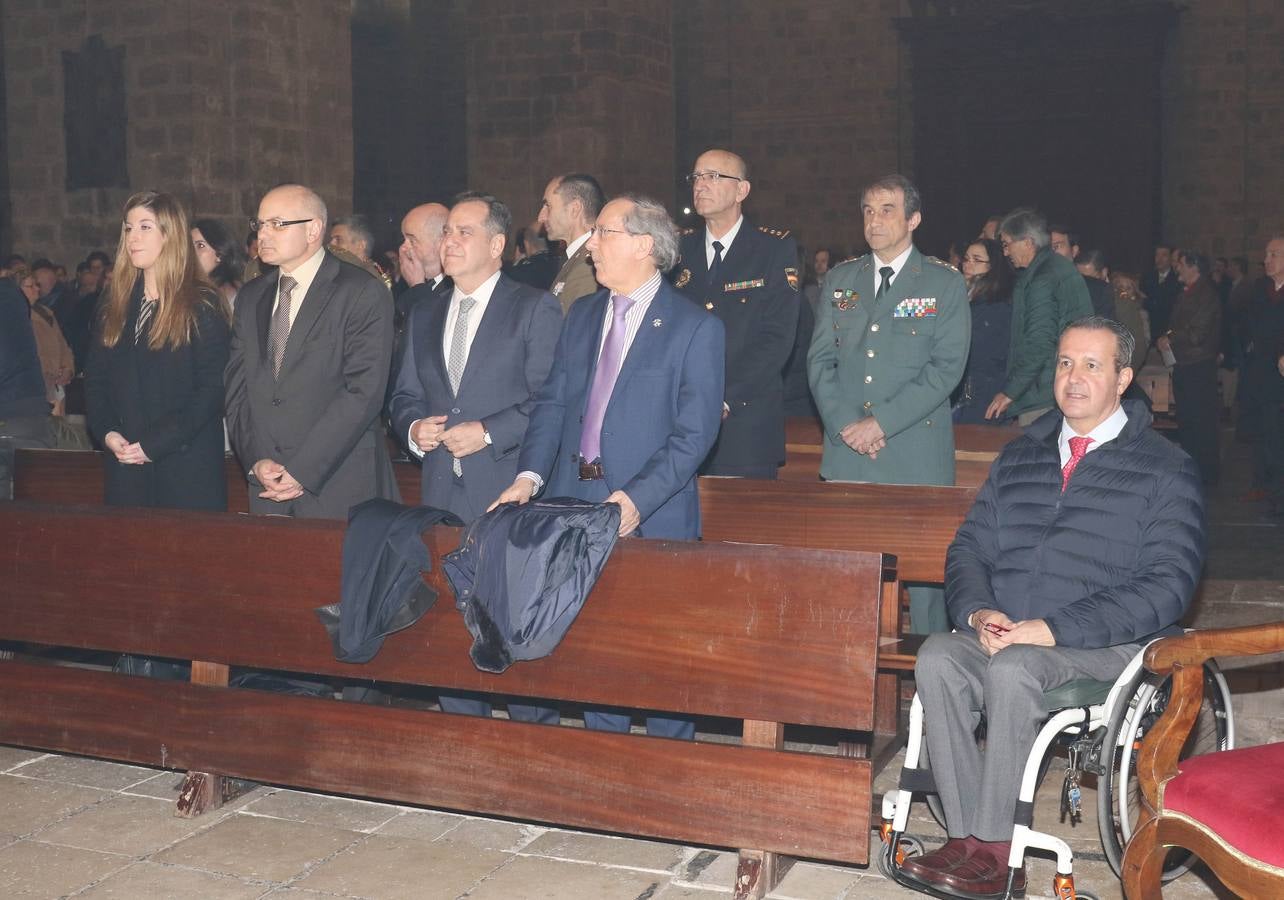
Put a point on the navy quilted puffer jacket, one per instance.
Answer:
(1113, 560)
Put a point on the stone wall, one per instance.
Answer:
(223, 100)
(1224, 127)
(810, 94)
(569, 86)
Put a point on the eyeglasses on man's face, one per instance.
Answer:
(711, 177)
(275, 224)
(601, 231)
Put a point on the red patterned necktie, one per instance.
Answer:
(1078, 448)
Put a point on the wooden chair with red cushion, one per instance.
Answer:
(1227, 808)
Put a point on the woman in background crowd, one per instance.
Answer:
(219, 256)
(154, 382)
(56, 361)
(989, 287)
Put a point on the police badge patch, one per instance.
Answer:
(845, 299)
(684, 277)
(791, 275)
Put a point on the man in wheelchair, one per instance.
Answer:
(1085, 542)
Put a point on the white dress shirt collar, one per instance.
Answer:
(1107, 430)
(304, 274)
(897, 264)
(726, 241)
(572, 247)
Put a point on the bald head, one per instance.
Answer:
(720, 184)
(421, 236)
(289, 245)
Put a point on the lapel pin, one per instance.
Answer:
(656, 323)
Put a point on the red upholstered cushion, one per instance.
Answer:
(1239, 794)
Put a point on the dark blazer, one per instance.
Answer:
(507, 363)
(22, 382)
(321, 418)
(170, 402)
(661, 420)
(757, 300)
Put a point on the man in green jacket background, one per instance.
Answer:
(891, 339)
(1049, 294)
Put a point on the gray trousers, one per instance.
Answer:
(957, 680)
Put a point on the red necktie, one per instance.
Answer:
(1078, 448)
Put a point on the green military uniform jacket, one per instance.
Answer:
(1048, 295)
(896, 359)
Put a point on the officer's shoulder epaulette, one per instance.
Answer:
(778, 233)
(939, 262)
(687, 231)
(850, 259)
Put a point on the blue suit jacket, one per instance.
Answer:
(660, 423)
(507, 363)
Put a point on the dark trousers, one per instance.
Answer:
(1195, 392)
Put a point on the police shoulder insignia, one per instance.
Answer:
(683, 278)
(774, 232)
(791, 275)
(940, 262)
(847, 261)
(687, 231)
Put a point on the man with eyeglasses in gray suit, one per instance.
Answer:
(311, 353)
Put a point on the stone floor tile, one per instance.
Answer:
(687, 892)
(27, 805)
(492, 834)
(876, 887)
(322, 809)
(253, 847)
(814, 881)
(10, 757)
(163, 786)
(134, 826)
(147, 880)
(607, 849)
(707, 868)
(87, 772)
(34, 869)
(426, 825)
(538, 878)
(388, 868)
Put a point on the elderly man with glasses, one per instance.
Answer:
(631, 406)
(311, 352)
(747, 276)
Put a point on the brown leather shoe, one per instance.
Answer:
(984, 871)
(931, 866)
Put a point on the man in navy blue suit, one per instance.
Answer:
(634, 399)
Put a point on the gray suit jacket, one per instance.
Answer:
(575, 279)
(320, 418)
(508, 361)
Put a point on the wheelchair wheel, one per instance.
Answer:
(1118, 795)
(909, 845)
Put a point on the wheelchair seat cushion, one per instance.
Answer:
(1080, 692)
(1238, 795)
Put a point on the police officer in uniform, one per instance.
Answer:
(747, 276)
(891, 341)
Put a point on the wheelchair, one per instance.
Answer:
(1101, 725)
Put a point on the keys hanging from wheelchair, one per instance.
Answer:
(1071, 795)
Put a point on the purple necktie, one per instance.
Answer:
(608, 367)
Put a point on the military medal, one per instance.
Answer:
(845, 300)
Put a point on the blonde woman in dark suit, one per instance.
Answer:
(154, 382)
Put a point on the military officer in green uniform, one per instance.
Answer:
(891, 339)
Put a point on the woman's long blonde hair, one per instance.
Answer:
(179, 281)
